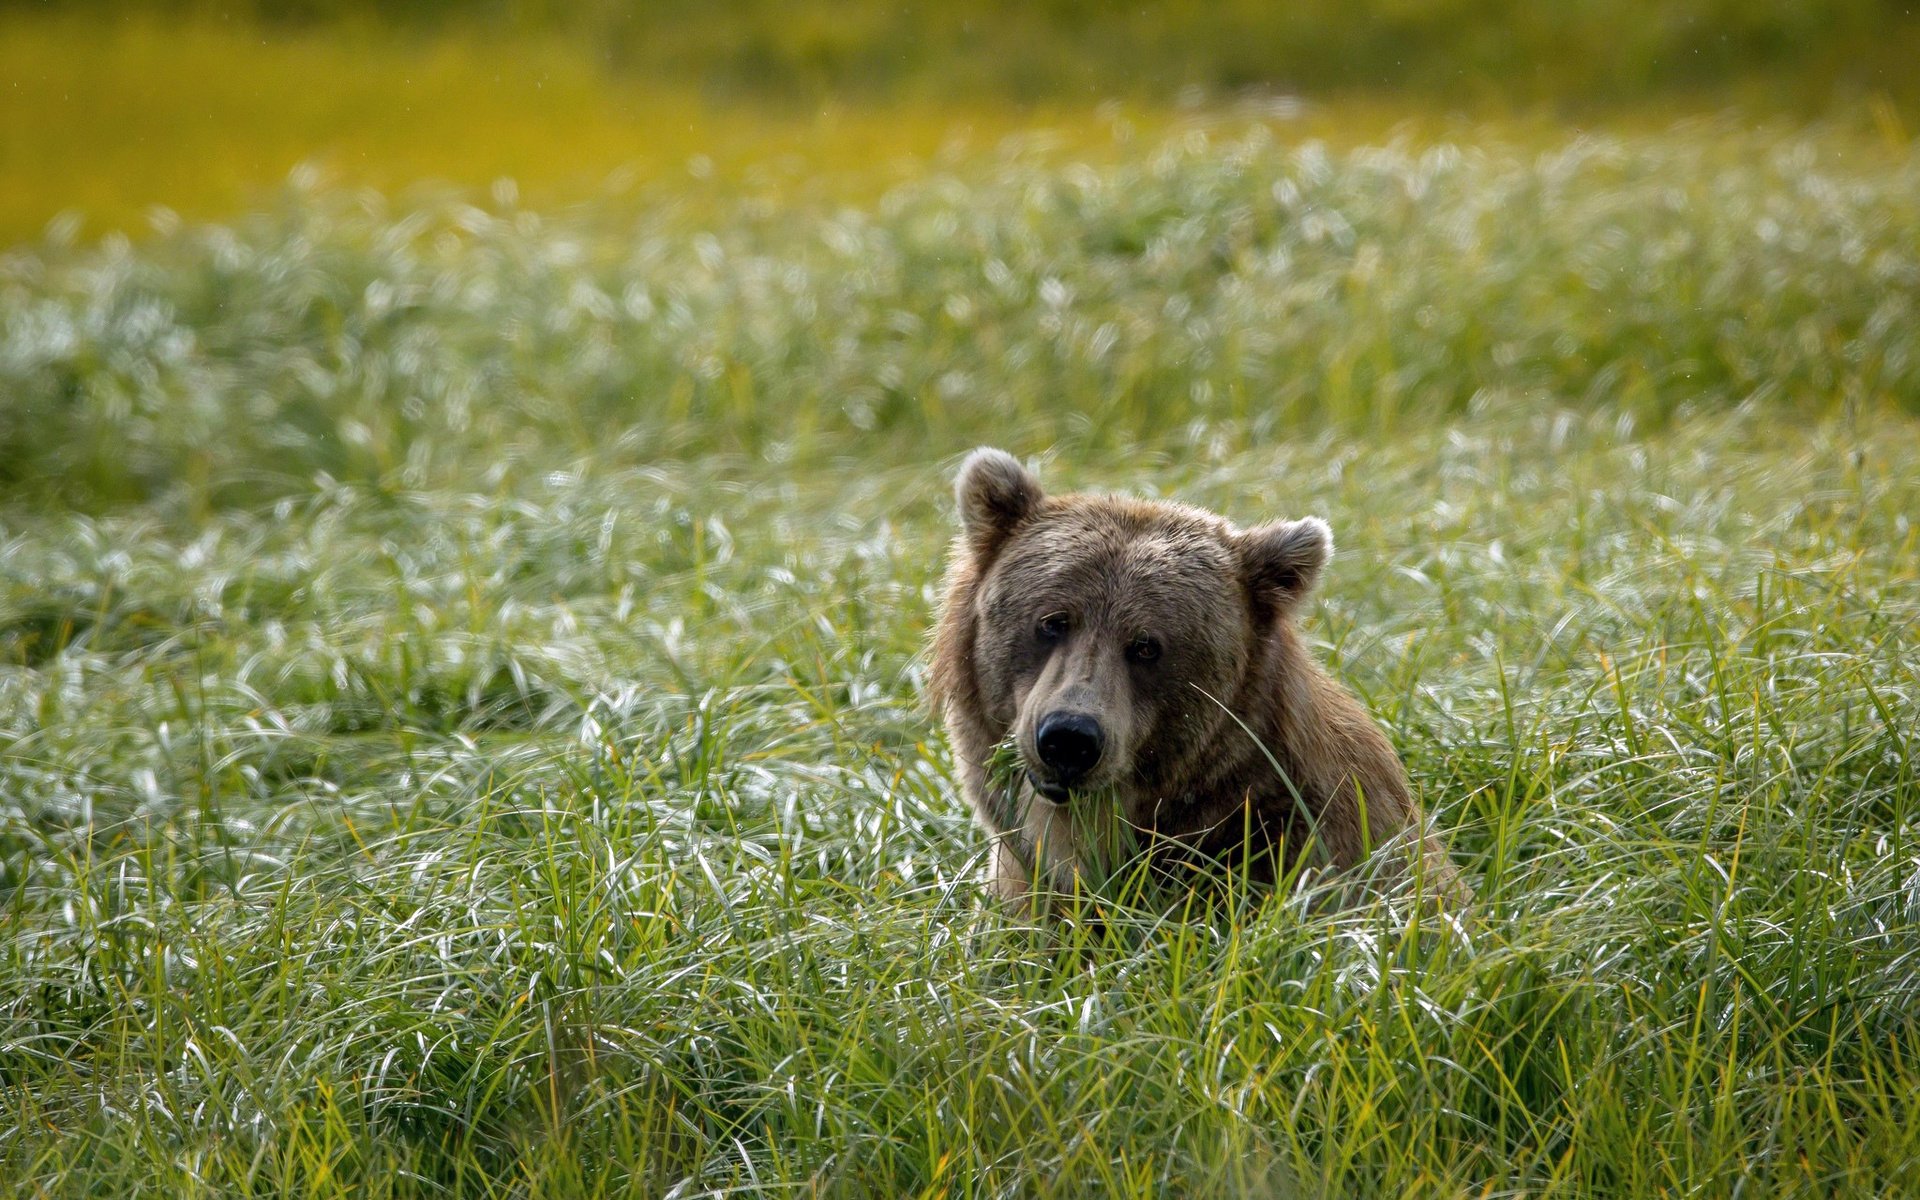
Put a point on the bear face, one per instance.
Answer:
(1139, 659)
(1111, 633)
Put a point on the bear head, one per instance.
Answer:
(1110, 638)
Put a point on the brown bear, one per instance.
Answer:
(1107, 665)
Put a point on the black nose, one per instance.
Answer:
(1069, 744)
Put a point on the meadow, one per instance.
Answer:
(462, 723)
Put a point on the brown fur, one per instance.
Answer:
(1192, 736)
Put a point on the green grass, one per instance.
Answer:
(462, 724)
(1225, 284)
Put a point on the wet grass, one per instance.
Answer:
(461, 684)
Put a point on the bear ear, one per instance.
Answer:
(1281, 562)
(995, 493)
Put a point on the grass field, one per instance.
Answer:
(461, 718)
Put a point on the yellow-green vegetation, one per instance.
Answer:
(1781, 52)
(111, 109)
(122, 126)
(461, 687)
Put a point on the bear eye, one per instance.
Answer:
(1053, 626)
(1143, 649)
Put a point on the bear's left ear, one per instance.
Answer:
(995, 493)
(1281, 562)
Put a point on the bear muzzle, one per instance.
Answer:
(1069, 746)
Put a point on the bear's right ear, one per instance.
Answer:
(995, 493)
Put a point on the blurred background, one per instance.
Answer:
(259, 248)
(112, 107)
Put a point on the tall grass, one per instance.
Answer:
(1224, 283)
(461, 694)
